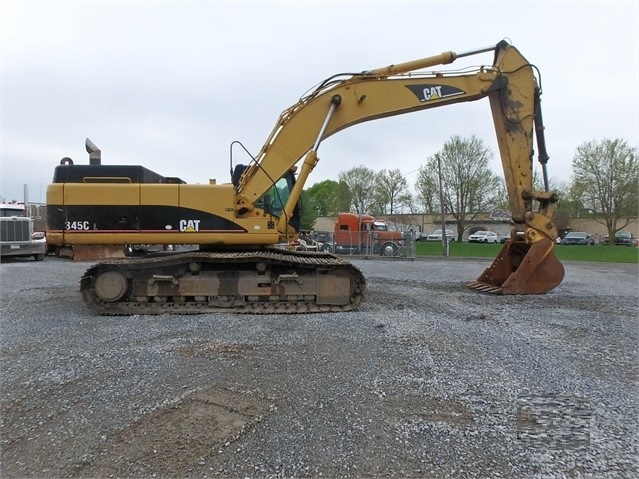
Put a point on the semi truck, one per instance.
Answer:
(17, 235)
(364, 234)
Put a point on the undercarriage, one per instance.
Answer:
(258, 282)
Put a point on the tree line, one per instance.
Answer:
(603, 186)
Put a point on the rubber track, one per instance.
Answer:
(297, 259)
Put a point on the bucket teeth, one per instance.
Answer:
(486, 288)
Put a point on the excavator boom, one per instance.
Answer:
(235, 224)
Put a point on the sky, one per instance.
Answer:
(170, 85)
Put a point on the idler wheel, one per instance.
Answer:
(110, 286)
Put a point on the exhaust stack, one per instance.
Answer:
(95, 154)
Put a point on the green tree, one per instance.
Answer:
(427, 188)
(605, 180)
(469, 186)
(325, 198)
(391, 192)
(361, 182)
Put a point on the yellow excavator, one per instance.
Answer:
(238, 225)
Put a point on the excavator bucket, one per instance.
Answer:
(522, 268)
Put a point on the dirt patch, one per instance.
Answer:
(179, 439)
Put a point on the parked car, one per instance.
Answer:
(624, 238)
(578, 237)
(437, 235)
(504, 238)
(421, 236)
(483, 237)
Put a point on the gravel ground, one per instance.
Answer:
(427, 379)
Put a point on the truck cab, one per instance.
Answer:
(17, 236)
(364, 234)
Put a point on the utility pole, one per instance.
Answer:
(443, 208)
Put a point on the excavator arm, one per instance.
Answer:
(346, 100)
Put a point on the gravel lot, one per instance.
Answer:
(427, 379)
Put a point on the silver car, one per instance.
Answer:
(437, 236)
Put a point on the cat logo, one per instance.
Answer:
(189, 226)
(434, 92)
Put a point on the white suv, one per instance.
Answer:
(483, 237)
